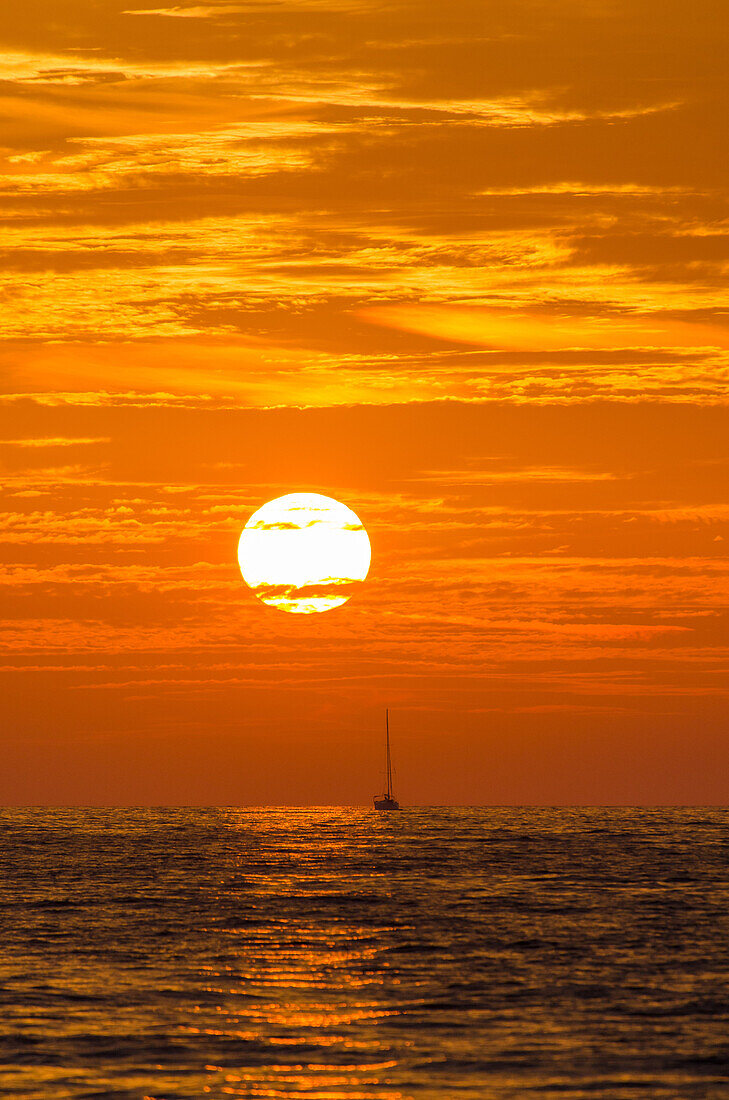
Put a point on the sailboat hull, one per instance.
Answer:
(386, 804)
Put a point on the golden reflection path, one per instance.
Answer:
(298, 983)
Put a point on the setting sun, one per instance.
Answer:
(304, 553)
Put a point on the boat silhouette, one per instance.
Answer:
(386, 801)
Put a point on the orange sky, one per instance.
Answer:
(461, 266)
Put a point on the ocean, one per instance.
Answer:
(341, 954)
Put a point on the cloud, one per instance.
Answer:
(58, 441)
(544, 331)
(194, 12)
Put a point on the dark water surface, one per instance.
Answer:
(337, 953)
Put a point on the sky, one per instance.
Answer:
(461, 266)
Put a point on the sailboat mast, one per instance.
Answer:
(389, 765)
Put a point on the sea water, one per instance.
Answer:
(482, 954)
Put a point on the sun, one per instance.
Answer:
(304, 553)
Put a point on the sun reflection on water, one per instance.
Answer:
(294, 974)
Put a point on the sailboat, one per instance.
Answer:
(386, 801)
